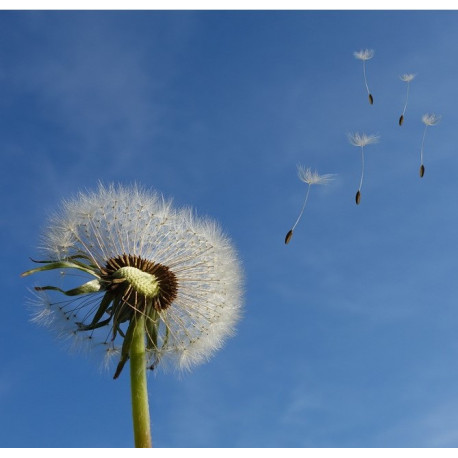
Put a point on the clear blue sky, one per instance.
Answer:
(349, 335)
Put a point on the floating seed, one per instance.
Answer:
(288, 236)
(422, 170)
(358, 197)
(401, 120)
(371, 99)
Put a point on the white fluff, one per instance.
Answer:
(118, 220)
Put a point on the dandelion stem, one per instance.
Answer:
(139, 388)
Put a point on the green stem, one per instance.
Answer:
(139, 388)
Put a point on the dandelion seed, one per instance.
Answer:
(358, 197)
(361, 140)
(310, 178)
(288, 236)
(407, 77)
(364, 55)
(422, 170)
(428, 120)
(162, 283)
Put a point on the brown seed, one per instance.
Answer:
(422, 170)
(288, 236)
(371, 99)
(358, 197)
(401, 120)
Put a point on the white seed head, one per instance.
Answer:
(115, 221)
(362, 139)
(364, 54)
(430, 119)
(407, 77)
(307, 176)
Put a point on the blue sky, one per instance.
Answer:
(349, 332)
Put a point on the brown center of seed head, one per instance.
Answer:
(168, 284)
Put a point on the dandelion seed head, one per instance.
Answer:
(358, 139)
(135, 243)
(364, 54)
(407, 77)
(307, 176)
(430, 119)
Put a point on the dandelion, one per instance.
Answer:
(407, 77)
(365, 54)
(428, 120)
(311, 178)
(163, 285)
(361, 140)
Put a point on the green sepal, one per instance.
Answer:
(96, 323)
(61, 265)
(125, 350)
(125, 313)
(166, 337)
(153, 321)
(91, 327)
(106, 301)
(152, 324)
(114, 313)
(121, 312)
(70, 258)
(92, 286)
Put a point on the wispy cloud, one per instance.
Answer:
(99, 88)
(436, 427)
